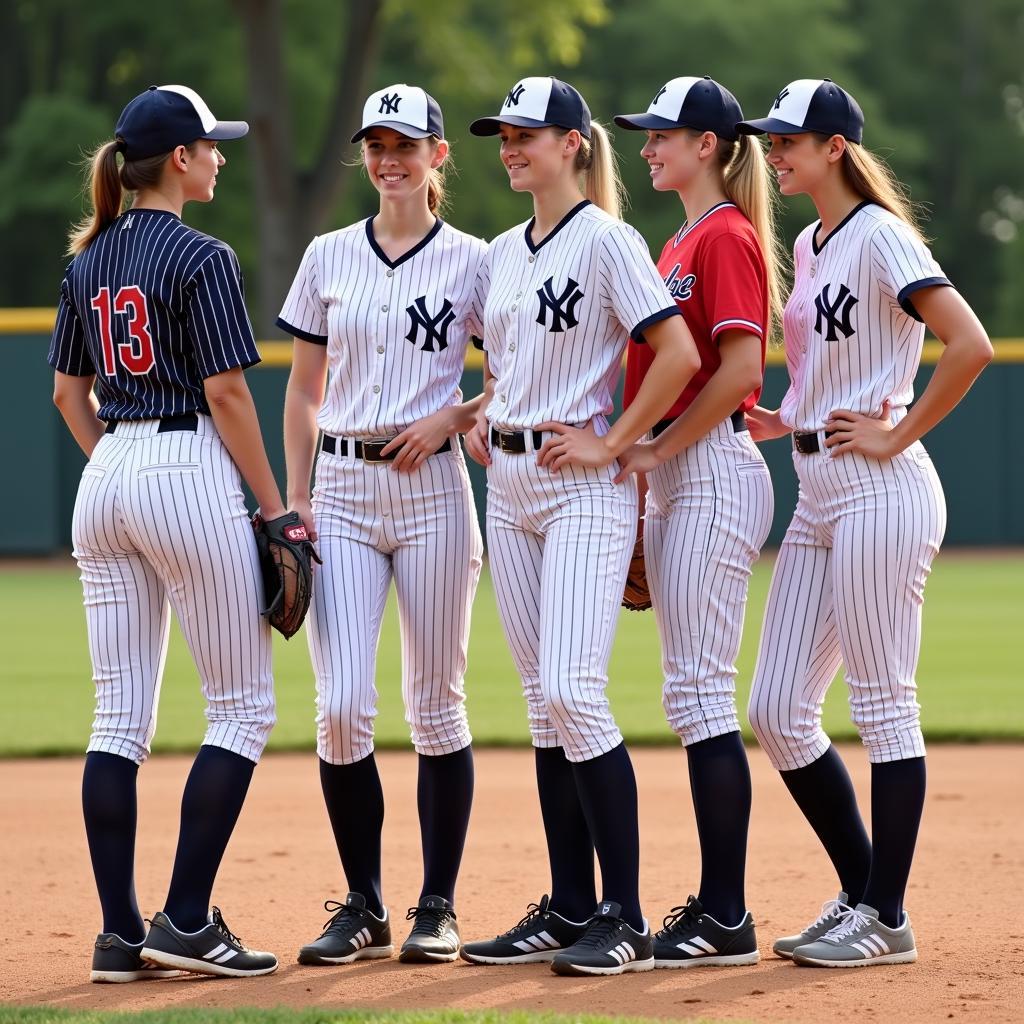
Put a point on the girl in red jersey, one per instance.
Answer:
(709, 504)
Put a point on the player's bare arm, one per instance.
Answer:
(307, 382)
(476, 438)
(77, 403)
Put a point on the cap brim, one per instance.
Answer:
(646, 122)
(492, 125)
(763, 125)
(224, 130)
(396, 126)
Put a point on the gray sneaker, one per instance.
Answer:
(827, 919)
(860, 940)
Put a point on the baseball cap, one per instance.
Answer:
(699, 103)
(810, 105)
(538, 103)
(403, 108)
(165, 116)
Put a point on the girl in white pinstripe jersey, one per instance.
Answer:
(849, 580)
(381, 312)
(563, 293)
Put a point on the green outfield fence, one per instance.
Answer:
(975, 449)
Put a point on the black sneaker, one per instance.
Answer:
(536, 939)
(117, 961)
(608, 946)
(211, 950)
(435, 935)
(353, 933)
(691, 938)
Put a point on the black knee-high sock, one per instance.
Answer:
(355, 806)
(109, 805)
(444, 797)
(570, 848)
(824, 792)
(720, 786)
(897, 802)
(607, 788)
(210, 805)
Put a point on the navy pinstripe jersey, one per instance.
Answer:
(152, 308)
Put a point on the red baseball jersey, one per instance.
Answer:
(715, 270)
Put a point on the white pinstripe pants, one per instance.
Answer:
(161, 518)
(420, 528)
(709, 510)
(559, 547)
(847, 589)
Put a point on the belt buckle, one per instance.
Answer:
(506, 443)
(372, 450)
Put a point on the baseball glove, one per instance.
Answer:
(637, 596)
(286, 557)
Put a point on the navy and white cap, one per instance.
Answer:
(403, 108)
(699, 103)
(166, 116)
(811, 105)
(538, 103)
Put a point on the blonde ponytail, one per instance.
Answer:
(106, 195)
(597, 162)
(436, 193)
(873, 179)
(746, 180)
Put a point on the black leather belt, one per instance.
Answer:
(514, 442)
(737, 419)
(186, 421)
(368, 451)
(807, 444)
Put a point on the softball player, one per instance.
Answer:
(382, 312)
(709, 504)
(849, 580)
(563, 293)
(151, 315)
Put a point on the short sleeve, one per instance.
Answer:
(217, 320)
(68, 352)
(734, 286)
(475, 314)
(630, 283)
(304, 313)
(903, 264)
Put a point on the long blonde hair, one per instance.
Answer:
(110, 184)
(598, 165)
(871, 177)
(746, 181)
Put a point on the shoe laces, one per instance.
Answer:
(533, 911)
(679, 920)
(829, 910)
(850, 921)
(217, 920)
(599, 931)
(429, 920)
(340, 912)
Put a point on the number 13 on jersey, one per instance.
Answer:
(135, 354)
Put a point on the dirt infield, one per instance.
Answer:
(966, 895)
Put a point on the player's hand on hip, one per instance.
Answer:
(765, 424)
(572, 446)
(478, 441)
(637, 458)
(417, 443)
(305, 510)
(855, 432)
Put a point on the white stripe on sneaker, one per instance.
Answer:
(549, 939)
(227, 956)
(536, 942)
(704, 944)
(215, 952)
(692, 950)
(627, 950)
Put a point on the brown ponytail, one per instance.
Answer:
(436, 197)
(873, 179)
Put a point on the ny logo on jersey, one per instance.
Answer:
(562, 307)
(435, 327)
(512, 99)
(834, 314)
(778, 99)
(681, 288)
(389, 104)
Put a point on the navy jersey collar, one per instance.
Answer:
(408, 254)
(815, 247)
(554, 231)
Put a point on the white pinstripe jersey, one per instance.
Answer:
(853, 336)
(396, 332)
(557, 316)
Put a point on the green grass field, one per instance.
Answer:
(969, 676)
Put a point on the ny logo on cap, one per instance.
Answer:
(562, 307)
(514, 95)
(435, 327)
(661, 92)
(389, 104)
(778, 99)
(834, 314)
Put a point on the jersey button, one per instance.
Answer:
(514, 307)
(376, 389)
(512, 347)
(532, 259)
(504, 398)
(390, 273)
(380, 348)
(383, 309)
(812, 271)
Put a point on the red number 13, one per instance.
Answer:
(136, 354)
